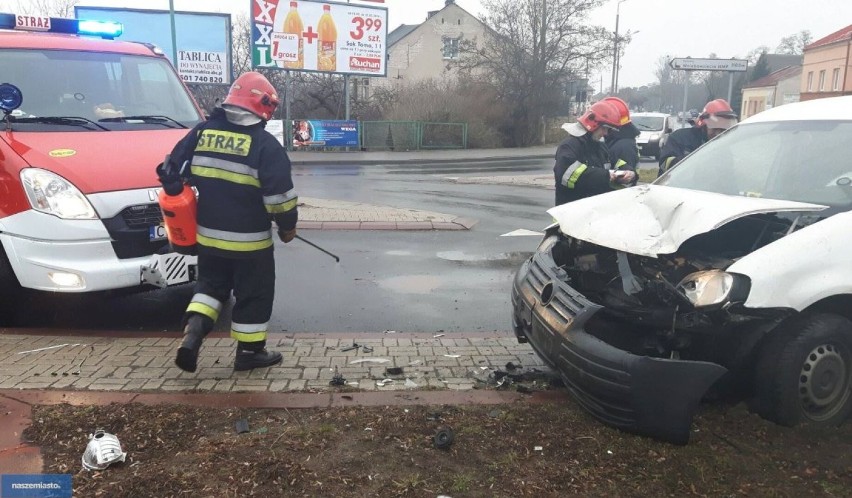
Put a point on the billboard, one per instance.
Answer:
(316, 36)
(203, 39)
(325, 133)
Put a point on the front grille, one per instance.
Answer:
(129, 231)
(142, 216)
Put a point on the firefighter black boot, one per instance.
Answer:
(254, 355)
(197, 327)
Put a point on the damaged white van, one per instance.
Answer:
(732, 271)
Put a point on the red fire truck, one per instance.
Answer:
(86, 119)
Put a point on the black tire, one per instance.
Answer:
(804, 373)
(10, 293)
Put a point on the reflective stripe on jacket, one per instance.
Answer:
(579, 170)
(243, 178)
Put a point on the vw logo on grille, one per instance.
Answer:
(154, 194)
(546, 293)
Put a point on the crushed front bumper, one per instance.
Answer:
(650, 396)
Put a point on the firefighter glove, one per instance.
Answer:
(287, 235)
(171, 181)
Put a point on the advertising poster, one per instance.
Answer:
(203, 39)
(325, 133)
(324, 37)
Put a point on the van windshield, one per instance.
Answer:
(804, 161)
(648, 123)
(95, 86)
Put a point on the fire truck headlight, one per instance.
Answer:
(52, 194)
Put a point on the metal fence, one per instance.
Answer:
(412, 135)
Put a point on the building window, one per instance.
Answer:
(835, 79)
(822, 80)
(810, 81)
(451, 48)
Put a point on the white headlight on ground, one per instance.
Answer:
(707, 288)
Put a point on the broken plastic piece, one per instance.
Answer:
(242, 426)
(444, 438)
(453, 355)
(384, 382)
(369, 360)
(337, 380)
(410, 383)
(438, 335)
(393, 371)
(367, 349)
(354, 345)
(103, 450)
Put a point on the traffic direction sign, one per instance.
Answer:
(690, 64)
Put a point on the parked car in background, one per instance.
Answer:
(653, 127)
(731, 271)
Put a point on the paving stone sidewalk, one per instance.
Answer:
(139, 364)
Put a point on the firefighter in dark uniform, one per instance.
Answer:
(242, 174)
(716, 117)
(580, 169)
(623, 151)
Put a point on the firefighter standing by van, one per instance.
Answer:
(580, 169)
(716, 117)
(242, 174)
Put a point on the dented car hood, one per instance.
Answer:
(649, 220)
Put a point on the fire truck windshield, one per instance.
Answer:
(96, 86)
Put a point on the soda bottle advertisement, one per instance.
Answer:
(290, 48)
(329, 37)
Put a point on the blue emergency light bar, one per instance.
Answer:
(104, 29)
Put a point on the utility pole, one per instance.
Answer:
(615, 47)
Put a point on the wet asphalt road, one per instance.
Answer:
(406, 281)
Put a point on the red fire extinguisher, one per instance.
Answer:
(178, 205)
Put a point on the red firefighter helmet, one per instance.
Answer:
(599, 114)
(623, 111)
(717, 114)
(254, 93)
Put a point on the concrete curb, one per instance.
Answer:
(456, 224)
(366, 162)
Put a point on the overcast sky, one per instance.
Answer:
(674, 28)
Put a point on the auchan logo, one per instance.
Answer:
(370, 64)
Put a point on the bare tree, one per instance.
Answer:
(794, 44)
(665, 79)
(531, 50)
(52, 8)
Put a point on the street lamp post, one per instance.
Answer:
(615, 47)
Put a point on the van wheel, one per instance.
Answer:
(10, 293)
(804, 374)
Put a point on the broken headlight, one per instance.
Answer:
(713, 287)
(547, 243)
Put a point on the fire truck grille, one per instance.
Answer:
(142, 216)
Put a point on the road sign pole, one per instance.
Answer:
(685, 92)
(730, 85)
